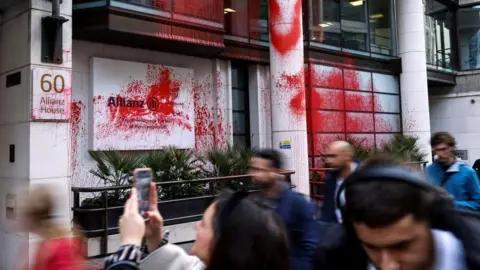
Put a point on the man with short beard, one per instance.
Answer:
(294, 210)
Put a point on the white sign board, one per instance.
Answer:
(51, 94)
(139, 106)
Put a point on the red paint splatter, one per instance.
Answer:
(328, 121)
(327, 99)
(294, 83)
(387, 123)
(76, 127)
(321, 141)
(158, 110)
(359, 122)
(365, 140)
(284, 42)
(331, 79)
(210, 129)
(355, 101)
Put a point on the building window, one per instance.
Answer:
(247, 19)
(469, 37)
(439, 25)
(359, 25)
(240, 114)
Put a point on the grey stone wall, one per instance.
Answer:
(467, 82)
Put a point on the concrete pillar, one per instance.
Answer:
(34, 124)
(413, 80)
(289, 128)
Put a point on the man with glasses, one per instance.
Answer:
(456, 177)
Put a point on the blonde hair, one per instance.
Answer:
(39, 213)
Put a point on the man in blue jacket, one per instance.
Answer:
(459, 179)
(294, 210)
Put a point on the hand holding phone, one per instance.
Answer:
(142, 179)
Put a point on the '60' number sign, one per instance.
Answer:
(51, 94)
(49, 82)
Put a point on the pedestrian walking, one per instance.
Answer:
(455, 176)
(294, 210)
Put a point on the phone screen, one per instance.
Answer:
(143, 180)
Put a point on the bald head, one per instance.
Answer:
(342, 146)
(339, 154)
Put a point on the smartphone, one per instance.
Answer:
(142, 179)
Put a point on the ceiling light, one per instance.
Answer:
(229, 10)
(373, 21)
(376, 16)
(324, 25)
(356, 3)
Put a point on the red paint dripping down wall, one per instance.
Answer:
(76, 128)
(210, 128)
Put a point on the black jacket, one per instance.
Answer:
(328, 207)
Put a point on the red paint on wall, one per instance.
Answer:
(328, 121)
(210, 129)
(332, 79)
(359, 122)
(294, 83)
(328, 99)
(284, 42)
(355, 101)
(158, 111)
(76, 128)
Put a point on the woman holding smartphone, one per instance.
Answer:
(236, 233)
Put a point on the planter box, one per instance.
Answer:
(93, 221)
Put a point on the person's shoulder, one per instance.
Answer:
(465, 167)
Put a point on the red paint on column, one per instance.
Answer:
(284, 42)
(295, 84)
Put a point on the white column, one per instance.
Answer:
(40, 141)
(289, 128)
(413, 80)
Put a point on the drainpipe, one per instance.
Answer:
(56, 8)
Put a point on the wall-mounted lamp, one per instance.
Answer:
(52, 35)
(228, 10)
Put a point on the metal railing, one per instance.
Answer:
(317, 179)
(102, 221)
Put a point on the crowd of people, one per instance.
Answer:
(377, 214)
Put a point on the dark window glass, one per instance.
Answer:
(240, 114)
(379, 21)
(354, 25)
(239, 122)
(236, 17)
(469, 37)
(359, 25)
(247, 18)
(438, 35)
